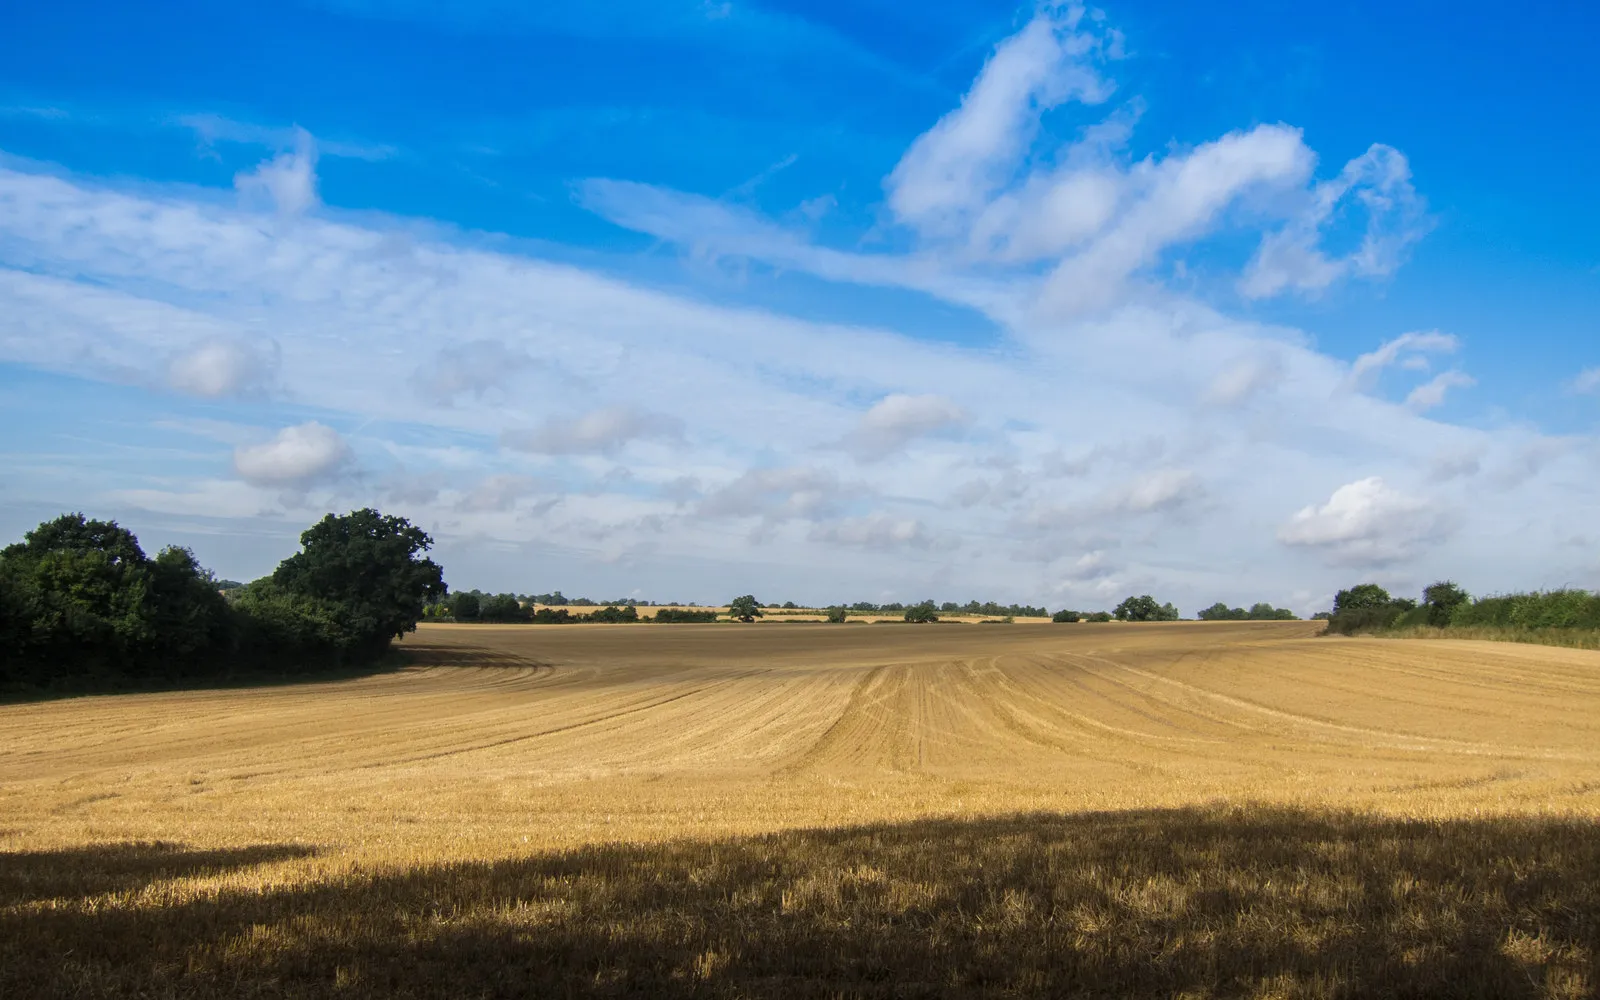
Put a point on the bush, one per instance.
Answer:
(675, 615)
(924, 612)
(1098, 616)
(1065, 616)
(837, 615)
(614, 615)
(1540, 609)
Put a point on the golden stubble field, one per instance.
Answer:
(1216, 809)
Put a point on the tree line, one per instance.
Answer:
(83, 606)
(1368, 607)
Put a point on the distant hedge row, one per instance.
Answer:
(1370, 608)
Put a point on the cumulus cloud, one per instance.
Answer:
(287, 182)
(1365, 523)
(1432, 392)
(898, 419)
(600, 432)
(222, 367)
(295, 457)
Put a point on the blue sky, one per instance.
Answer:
(825, 301)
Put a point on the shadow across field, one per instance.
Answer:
(1198, 902)
(81, 872)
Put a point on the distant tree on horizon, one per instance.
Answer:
(745, 608)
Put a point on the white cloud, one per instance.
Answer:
(1152, 427)
(1179, 198)
(1380, 182)
(1366, 523)
(778, 495)
(475, 367)
(1404, 348)
(600, 432)
(950, 172)
(295, 457)
(876, 531)
(287, 182)
(1244, 379)
(1432, 392)
(222, 367)
(1162, 489)
(1587, 380)
(497, 493)
(898, 419)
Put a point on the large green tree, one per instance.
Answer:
(745, 609)
(372, 566)
(1145, 609)
(80, 601)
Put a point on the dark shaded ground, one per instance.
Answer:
(1201, 902)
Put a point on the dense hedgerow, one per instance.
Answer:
(83, 607)
(1444, 605)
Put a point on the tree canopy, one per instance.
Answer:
(1145, 609)
(745, 609)
(370, 564)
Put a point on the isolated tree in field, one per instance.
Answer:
(1145, 609)
(1065, 616)
(1442, 599)
(837, 615)
(745, 609)
(371, 565)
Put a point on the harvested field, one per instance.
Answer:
(1213, 809)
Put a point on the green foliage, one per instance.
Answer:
(1145, 609)
(82, 606)
(501, 608)
(1097, 616)
(80, 603)
(1066, 616)
(1361, 597)
(684, 616)
(466, 606)
(1566, 609)
(613, 614)
(1261, 611)
(371, 565)
(926, 611)
(745, 609)
(286, 632)
(1446, 606)
(1367, 607)
(837, 615)
(1441, 601)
